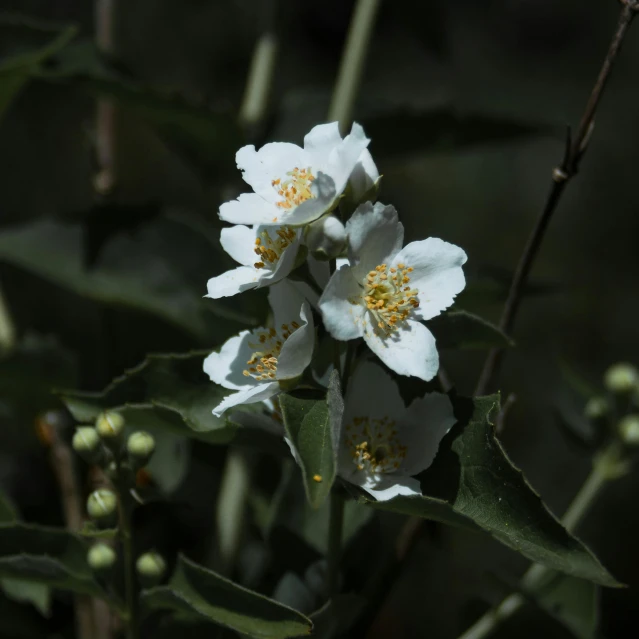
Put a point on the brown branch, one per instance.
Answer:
(561, 175)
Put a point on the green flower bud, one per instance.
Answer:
(86, 442)
(101, 558)
(151, 568)
(597, 408)
(140, 447)
(621, 378)
(110, 425)
(102, 506)
(629, 430)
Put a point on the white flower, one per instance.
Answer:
(326, 237)
(364, 177)
(293, 185)
(254, 362)
(383, 444)
(386, 290)
(267, 255)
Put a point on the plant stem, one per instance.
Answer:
(130, 585)
(335, 528)
(352, 64)
(599, 476)
(561, 175)
(7, 329)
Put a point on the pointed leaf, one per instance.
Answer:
(197, 591)
(47, 556)
(464, 330)
(473, 479)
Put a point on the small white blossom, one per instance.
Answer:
(384, 444)
(266, 254)
(386, 290)
(254, 362)
(293, 185)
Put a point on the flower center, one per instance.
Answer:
(374, 445)
(262, 365)
(388, 296)
(296, 189)
(269, 249)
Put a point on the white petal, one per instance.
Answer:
(364, 176)
(321, 140)
(323, 189)
(284, 265)
(344, 157)
(237, 280)
(225, 367)
(394, 486)
(410, 350)
(421, 429)
(273, 160)
(297, 350)
(249, 208)
(320, 271)
(375, 234)
(286, 302)
(250, 395)
(342, 318)
(437, 275)
(239, 243)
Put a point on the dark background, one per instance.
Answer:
(466, 103)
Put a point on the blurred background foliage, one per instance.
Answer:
(466, 104)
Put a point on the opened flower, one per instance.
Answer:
(293, 185)
(386, 290)
(254, 363)
(383, 444)
(266, 254)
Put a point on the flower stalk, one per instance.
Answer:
(126, 537)
(335, 532)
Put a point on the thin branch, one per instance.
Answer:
(7, 328)
(561, 175)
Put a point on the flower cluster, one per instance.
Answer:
(381, 291)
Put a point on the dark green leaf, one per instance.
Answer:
(337, 616)
(47, 556)
(147, 271)
(198, 591)
(464, 330)
(165, 392)
(91, 531)
(28, 591)
(473, 479)
(311, 425)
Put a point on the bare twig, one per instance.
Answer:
(503, 413)
(561, 175)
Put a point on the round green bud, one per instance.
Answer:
(151, 568)
(621, 378)
(101, 558)
(140, 447)
(629, 430)
(326, 238)
(102, 505)
(110, 425)
(86, 442)
(596, 408)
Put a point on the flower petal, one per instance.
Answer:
(286, 302)
(239, 243)
(251, 395)
(225, 367)
(394, 486)
(342, 318)
(364, 176)
(284, 265)
(237, 280)
(297, 350)
(375, 234)
(410, 350)
(421, 429)
(320, 141)
(344, 157)
(273, 160)
(249, 208)
(437, 274)
(323, 189)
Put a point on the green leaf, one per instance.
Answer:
(30, 592)
(337, 616)
(198, 591)
(91, 531)
(312, 425)
(464, 330)
(46, 556)
(573, 602)
(443, 129)
(170, 461)
(473, 480)
(147, 272)
(165, 392)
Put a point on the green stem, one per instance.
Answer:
(604, 469)
(7, 329)
(352, 64)
(335, 528)
(130, 585)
